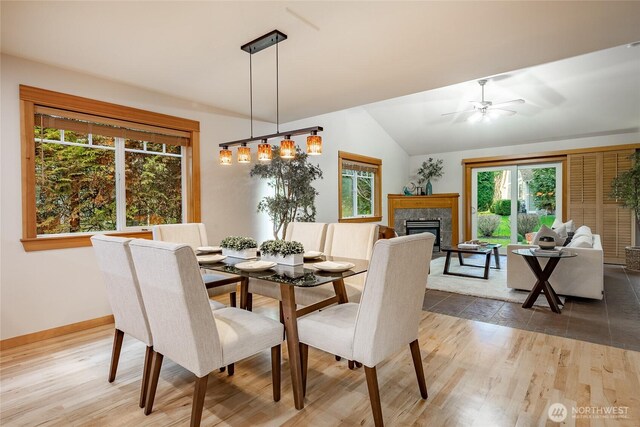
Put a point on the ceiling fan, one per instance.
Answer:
(487, 110)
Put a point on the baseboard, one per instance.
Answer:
(55, 332)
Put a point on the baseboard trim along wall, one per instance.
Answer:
(55, 332)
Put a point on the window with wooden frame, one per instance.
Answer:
(359, 188)
(93, 167)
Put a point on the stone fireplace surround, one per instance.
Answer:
(436, 206)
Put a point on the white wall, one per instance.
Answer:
(452, 181)
(42, 290)
(354, 131)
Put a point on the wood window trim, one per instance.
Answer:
(377, 203)
(32, 96)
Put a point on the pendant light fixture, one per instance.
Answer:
(287, 145)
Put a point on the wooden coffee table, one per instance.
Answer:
(487, 251)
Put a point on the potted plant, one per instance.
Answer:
(430, 169)
(282, 252)
(294, 196)
(239, 247)
(626, 189)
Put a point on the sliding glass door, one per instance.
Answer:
(510, 202)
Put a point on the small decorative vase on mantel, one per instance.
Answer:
(428, 189)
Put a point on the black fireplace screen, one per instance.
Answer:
(415, 226)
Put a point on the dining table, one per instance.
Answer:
(288, 278)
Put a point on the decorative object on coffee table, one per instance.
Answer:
(624, 188)
(239, 247)
(430, 169)
(547, 242)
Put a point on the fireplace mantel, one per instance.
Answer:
(435, 201)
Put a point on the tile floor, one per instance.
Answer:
(613, 321)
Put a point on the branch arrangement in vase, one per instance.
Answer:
(430, 169)
(281, 247)
(238, 243)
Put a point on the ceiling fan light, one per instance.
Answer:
(314, 145)
(265, 153)
(225, 157)
(244, 154)
(287, 148)
(475, 117)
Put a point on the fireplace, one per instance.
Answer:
(415, 226)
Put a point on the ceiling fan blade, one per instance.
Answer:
(501, 112)
(507, 103)
(459, 112)
(477, 104)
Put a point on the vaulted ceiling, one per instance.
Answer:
(338, 55)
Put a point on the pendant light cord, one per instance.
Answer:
(251, 91)
(277, 91)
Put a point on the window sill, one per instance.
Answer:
(362, 219)
(65, 242)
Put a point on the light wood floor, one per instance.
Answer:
(478, 374)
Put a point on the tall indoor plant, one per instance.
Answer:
(294, 197)
(626, 188)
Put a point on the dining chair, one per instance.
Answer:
(186, 330)
(386, 319)
(123, 291)
(195, 235)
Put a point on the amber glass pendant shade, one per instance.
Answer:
(244, 154)
(314, 145)
(287, 149)
(264, 152)
(225, 157)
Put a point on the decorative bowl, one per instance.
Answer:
(547, 242)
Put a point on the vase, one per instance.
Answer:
(428, 189)
(295, 259)
(243, 254)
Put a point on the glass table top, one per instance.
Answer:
(563, 253)
(304, 275)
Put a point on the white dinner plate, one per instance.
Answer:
(210, 259)
(255, 265)
(333, 266)
(208, 249)
(312, 254)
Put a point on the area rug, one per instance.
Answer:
(494, 288)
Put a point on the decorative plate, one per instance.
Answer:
(312, 254)
(255, 265)
(208, 249)
(333, 266)
(210, 259)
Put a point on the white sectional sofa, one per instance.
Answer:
(582, 276)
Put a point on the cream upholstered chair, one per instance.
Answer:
(123, 291)
(187, 330)
(195, 235)
(387, 318)
(312, 236)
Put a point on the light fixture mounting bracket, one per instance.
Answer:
(272, 38)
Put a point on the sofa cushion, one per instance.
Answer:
(546, 231)
(581, 242)
(568, 225)
(583, 231)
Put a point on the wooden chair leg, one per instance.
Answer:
(284, 332)
(351, 364)
(115, 354)
(417, 364)
(153, 381)
(148, 355)
(232, 299)
(374, 395)
(224, 368)
(338, 358)
(198, 400)
(250, 302)
(358, 365)
(304, 358)
(231, 369)
(276, 372)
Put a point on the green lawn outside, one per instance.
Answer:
(503, 233)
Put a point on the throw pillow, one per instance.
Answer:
(568, 225)
(583, 231)
(546, 231)
(581, 242)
